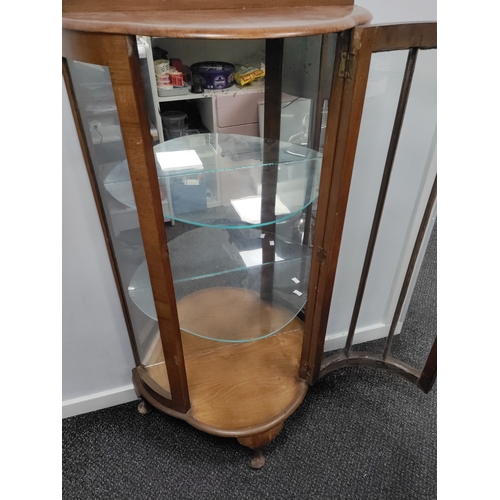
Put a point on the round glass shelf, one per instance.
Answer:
(230, 270)
(217, 180)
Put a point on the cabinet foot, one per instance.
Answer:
(257, 461)
(144, 408)
(257, 442)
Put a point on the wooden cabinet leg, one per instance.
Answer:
(258, 460)
(144, 407)
(257, 442)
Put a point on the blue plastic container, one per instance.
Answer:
(213, 74)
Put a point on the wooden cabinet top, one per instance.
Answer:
(213, 19)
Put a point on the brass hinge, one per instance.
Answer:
(346, 59)
(321, 255)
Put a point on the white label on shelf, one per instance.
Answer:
(254, 257)
(271, 243)
(175, 160)
(295, 280)
(296, 292)
(249, 208)
(262, 236)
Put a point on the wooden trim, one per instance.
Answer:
(344, 119)
(429, 373)
(124, 67)
(149, 386)
(345, 151)
(163, 405)
(272, 97)
(258, 441)
(271, 151)
(84, 47)
(405, 36)
(315, 297)
(267, 22)
(371, 360)
(424, 379)
(180, 5)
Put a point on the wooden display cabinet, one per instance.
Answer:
(227, 305)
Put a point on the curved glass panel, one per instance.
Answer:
(101, 126)
(216, 180)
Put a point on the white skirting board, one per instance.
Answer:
(126, 394)
(98, 401)
(373, 332)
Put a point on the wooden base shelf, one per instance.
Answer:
(242, 390)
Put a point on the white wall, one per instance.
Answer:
(413, 172)
(96, 355)
(400, 11)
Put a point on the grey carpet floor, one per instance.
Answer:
(359, 434)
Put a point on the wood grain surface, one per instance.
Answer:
(183, 5)
(237, 387)
(243, 23)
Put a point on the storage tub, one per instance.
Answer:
(213, 74)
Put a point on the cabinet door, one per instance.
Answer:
(357, 53)
(102, 72)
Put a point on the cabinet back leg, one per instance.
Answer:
(144, 407)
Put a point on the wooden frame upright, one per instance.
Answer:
(119, 53)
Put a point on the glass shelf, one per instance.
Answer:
(227, 267)
(206, 178)
(289, 295)
(225, 258)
